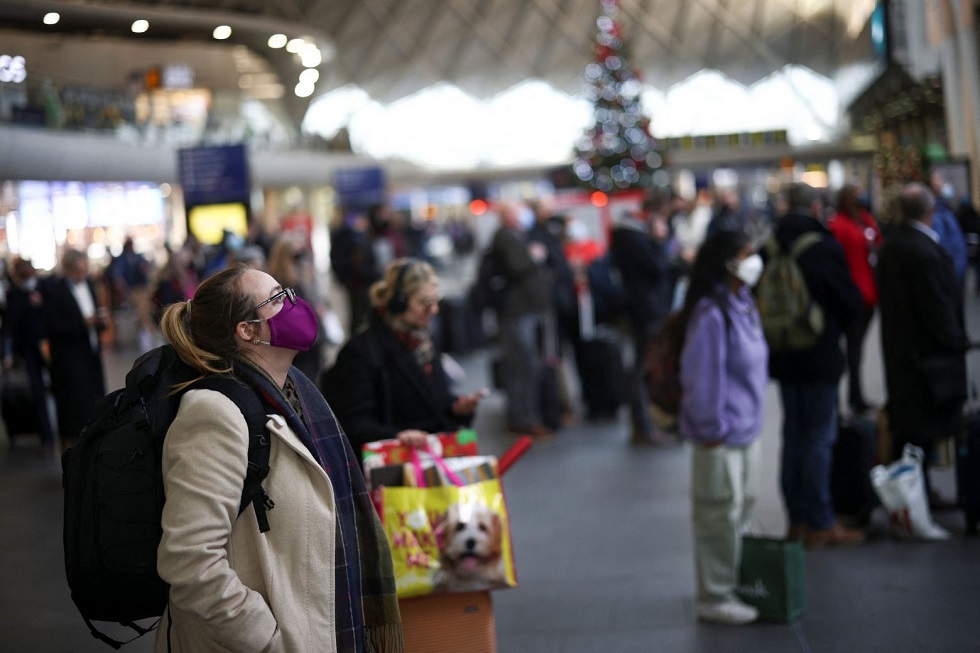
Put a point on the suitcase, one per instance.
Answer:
(17, 406)
(550, 399)
(601, 374)
(968, 470)
(449, 623)
(599, 364)
(854, 455)
(459, 329)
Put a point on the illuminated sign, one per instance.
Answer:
(178, 76)
(12, 68)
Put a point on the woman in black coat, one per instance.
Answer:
(388, 381)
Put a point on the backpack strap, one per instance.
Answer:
(259, 445)
(804, 242)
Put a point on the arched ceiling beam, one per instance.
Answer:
(652, 25)
(480, 24)
(735, 25)
(406, 44)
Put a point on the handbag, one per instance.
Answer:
(772, 577)
(453, 537)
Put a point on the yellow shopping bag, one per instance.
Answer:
(448, 538)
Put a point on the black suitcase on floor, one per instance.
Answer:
(550, 403)
(968, 471)
(459, 330)
(602, 376)
(850, 478)
(18, 408)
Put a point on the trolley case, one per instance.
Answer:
(853, 457)
(20, 416)
(968, 449)
(599, 364)
(600, 369)
(968, 470)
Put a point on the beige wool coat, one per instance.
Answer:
(234, 588)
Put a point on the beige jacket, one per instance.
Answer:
(232, 587)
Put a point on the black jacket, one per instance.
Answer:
(921, 318)
(77, 374)
(645, 268)
(377, 388)
(830, 285)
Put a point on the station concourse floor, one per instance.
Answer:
(602, 540)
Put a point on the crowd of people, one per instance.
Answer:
(700, 263)
(254, 309)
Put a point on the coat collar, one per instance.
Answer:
(403, 360)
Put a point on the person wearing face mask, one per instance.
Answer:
(321, 577)
(945, 224)
(724, 375)
(388, 381)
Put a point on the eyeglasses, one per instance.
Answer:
(426, 303)
(288, 293)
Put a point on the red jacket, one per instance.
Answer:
(860, 249)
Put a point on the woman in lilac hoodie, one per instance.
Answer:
(724, 374)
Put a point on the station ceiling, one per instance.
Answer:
(392, 48)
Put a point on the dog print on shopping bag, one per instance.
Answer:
(470, 541)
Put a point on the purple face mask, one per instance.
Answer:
(295, 326)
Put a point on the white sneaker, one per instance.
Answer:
(731, 612)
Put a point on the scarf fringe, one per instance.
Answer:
(384, 639)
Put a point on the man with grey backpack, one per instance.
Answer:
(803, 325)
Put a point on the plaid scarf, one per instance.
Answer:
(367, 615)
(416, 340)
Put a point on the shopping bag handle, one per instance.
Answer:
(440, 463)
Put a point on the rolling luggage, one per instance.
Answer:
(853, 457)
(968, 471)
(550, 398)
(599, 363)
(602, 375)
(17, 404)
(460, 330)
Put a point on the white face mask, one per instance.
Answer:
(748, 270)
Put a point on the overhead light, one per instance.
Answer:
(310, 55)
(309, 76)
(221, 32)
(140, 26)
(52, 18)
(277, 41)
(295, 45)
(303, 90)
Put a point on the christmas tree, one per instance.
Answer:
(617, 152)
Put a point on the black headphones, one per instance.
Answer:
(398, 303)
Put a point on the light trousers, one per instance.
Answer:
(723, 481)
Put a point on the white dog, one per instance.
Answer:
(470, 549)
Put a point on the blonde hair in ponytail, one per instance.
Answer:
(202, 330)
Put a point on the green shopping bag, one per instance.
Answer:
(773, 577)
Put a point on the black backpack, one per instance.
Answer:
(609, 296)
(113, 484)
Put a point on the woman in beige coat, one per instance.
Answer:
(320, 579)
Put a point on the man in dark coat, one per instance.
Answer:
(73, 320)
(23, 331)
(923, 331)
(809, 378)
(637, 250)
